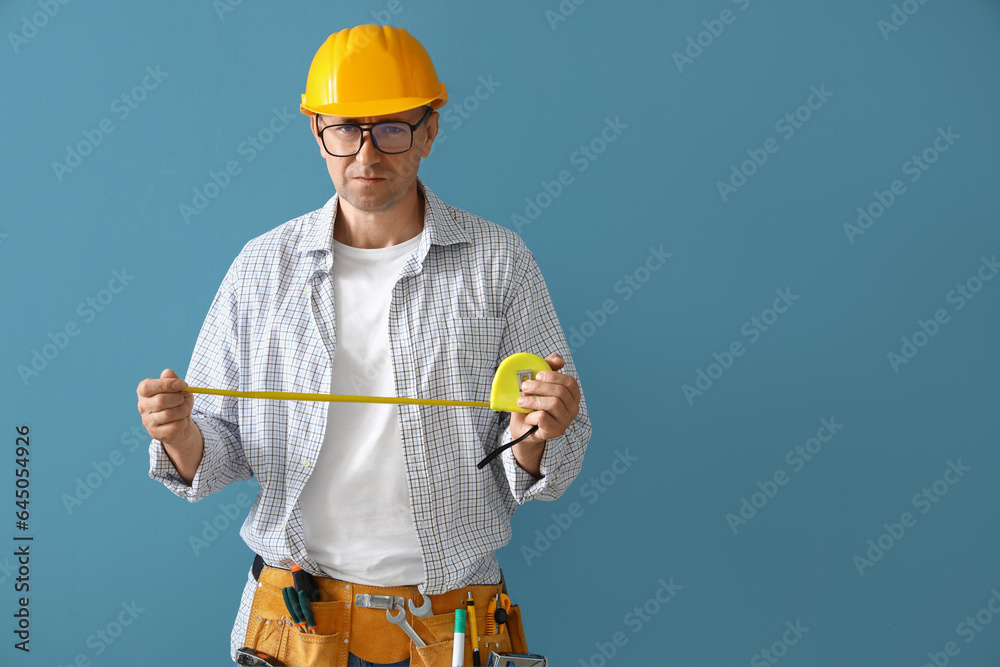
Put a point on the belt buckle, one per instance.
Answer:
(367, 601)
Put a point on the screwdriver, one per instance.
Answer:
(305, 590)
(292, 605)
(307, 611)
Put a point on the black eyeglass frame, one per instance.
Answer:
(369, 127)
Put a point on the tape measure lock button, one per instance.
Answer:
(522, 376)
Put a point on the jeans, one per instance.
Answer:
(355, 661)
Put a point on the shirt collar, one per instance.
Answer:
(441, 225)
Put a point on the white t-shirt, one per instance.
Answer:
(355, 508)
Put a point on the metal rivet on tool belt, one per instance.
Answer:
(279, 622)
(258, 618)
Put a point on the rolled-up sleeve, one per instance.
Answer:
(215, 364)
(532, 326)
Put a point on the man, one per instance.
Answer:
(385, 291)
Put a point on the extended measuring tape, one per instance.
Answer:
(504, 392)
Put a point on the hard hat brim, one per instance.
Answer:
(374, 107)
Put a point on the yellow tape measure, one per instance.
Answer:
(504, 392)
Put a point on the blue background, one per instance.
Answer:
(556, 82)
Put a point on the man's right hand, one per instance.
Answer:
(166, 414)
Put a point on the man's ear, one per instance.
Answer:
(432, 131)
(314, 127)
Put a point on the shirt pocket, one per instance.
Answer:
(475, 348)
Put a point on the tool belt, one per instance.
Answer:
(342, 626)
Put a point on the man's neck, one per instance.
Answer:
(381, 229)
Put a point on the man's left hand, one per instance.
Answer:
(554, 403)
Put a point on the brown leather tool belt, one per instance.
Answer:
(344, 624)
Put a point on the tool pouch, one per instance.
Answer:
(439, 632)
(270, 629)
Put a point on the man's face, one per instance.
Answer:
(371, 180)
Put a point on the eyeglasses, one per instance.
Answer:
(390, 137)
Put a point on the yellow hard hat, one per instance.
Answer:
(371, 70)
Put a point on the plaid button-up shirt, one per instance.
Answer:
(468, 297)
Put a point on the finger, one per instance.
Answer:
(548, 426)
(169, 373)
(555, 361)
(517, 420)
(545, 383)
(549, 377)
(164, 401)
(161, 418)
(153, 386)
(553, 405)
(522, 421)
(568, 394)
(168, 432)
(540, 388)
